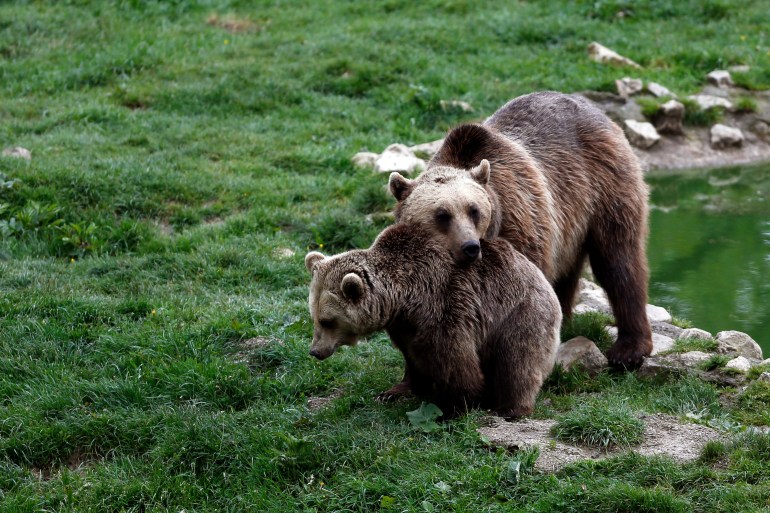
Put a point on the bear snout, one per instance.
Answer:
(471, 250)
(315, 353)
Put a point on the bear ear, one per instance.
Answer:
(352, 287)
(313, 258)
(399, 186)
(480, 173)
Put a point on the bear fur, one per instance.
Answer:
(552, 175)
(479, 334)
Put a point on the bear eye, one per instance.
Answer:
(443, 217)
(327, 324)
(473, 211)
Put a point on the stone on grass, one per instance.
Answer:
(365, 159)
(659, 91)
(641, 134)
(456, 105)
(283, 253)
(604, 55)
(723, 136)
(18, 152)
(695, 333)
(661, 343)
(583, 352)
(667, 329)
(676, 363)
(740, 363)
(612, 331)
(428, 149)
(595, 299)
(628, 86)
(668, 119)
(398, 157)
(765, 362)
(658, 314)
(738, 342)
(720, 78)
(740, 68)
(764, 377)
(707, 101)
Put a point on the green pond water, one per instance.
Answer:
(709, 248)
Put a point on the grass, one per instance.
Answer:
(176, 146)
(600, 424)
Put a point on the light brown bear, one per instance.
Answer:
(478, 334)
(552, 175)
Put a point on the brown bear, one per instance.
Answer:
(478, 334)
(552, 175)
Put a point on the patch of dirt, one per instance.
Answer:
(250, 345)
(77, 462)
(315, 404)
(232, 23)
(663, 435)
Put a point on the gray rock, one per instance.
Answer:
(456, 104)
(696, 333)
(668, 119)
(723, 136)
(762, 129)
(629, 86)
(741, 363)
(658, 314)
(595, 299)
(738, 342)
(659, 91)
(365, 159)
(398, 157)
(676, 363)
(604, 55)
(581, 351)
(765, 362)
(661, 343)
(612, 331)
(707, 101)
(427, 150)
(692, 358)
(18, 152)
(666, 329)
(640, 134)
(720, 78)
(764, 377)
(283, 253)
(740, 68)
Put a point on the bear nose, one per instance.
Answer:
(315, 354)
(471, 249)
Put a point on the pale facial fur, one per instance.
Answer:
(451, 203)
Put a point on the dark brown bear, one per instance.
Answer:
(554, 176)
(478, 334)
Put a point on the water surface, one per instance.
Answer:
(709, 248)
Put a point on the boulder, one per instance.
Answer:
(738, 342)
(740, 363)
(456, 105)
(594, 299)
(629, 86)
(764, 377)
(398, 157)
(365, 159)
(661, 343)
(581, 351)
(708, 101)
(18, 152)
(664, 328)
(604, 55)
(720, 78)
(427, 150)
(668, 119)
(696, 333)
(676, 363)
(658, 314)
(641, 134)
(659, 91)
(723, 136)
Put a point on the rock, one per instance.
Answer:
(595, 299)
(604, 55)
(692, 358)
(668, 119)
(641, 134)
(707, 101)
(765, 362)
(612, 331)
(764, 377)
(658, 314)
(581, 351)
(695, 333)
(664, 328)
(283, 253)
(738, 342)
(365, 159)
(676, 363)
(723, 136)
(427, 150)
(720, 78)
(18, 152)
(659, 91)
(661, 343)
(398, 157)
(740, 68)
(456, 104)
(740, 363)
(629, 86)
(762, 129)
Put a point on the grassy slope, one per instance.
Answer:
(171, 157)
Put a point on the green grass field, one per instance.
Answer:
(177, 146)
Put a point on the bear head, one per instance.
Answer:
(341, 301)
(452, 204)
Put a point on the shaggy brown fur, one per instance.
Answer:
(564, 184)
(482, 334)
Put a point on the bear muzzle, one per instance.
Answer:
(471, 250)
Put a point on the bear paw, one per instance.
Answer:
(628, 354)
(395, 392)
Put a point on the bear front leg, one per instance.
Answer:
(402, 389)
